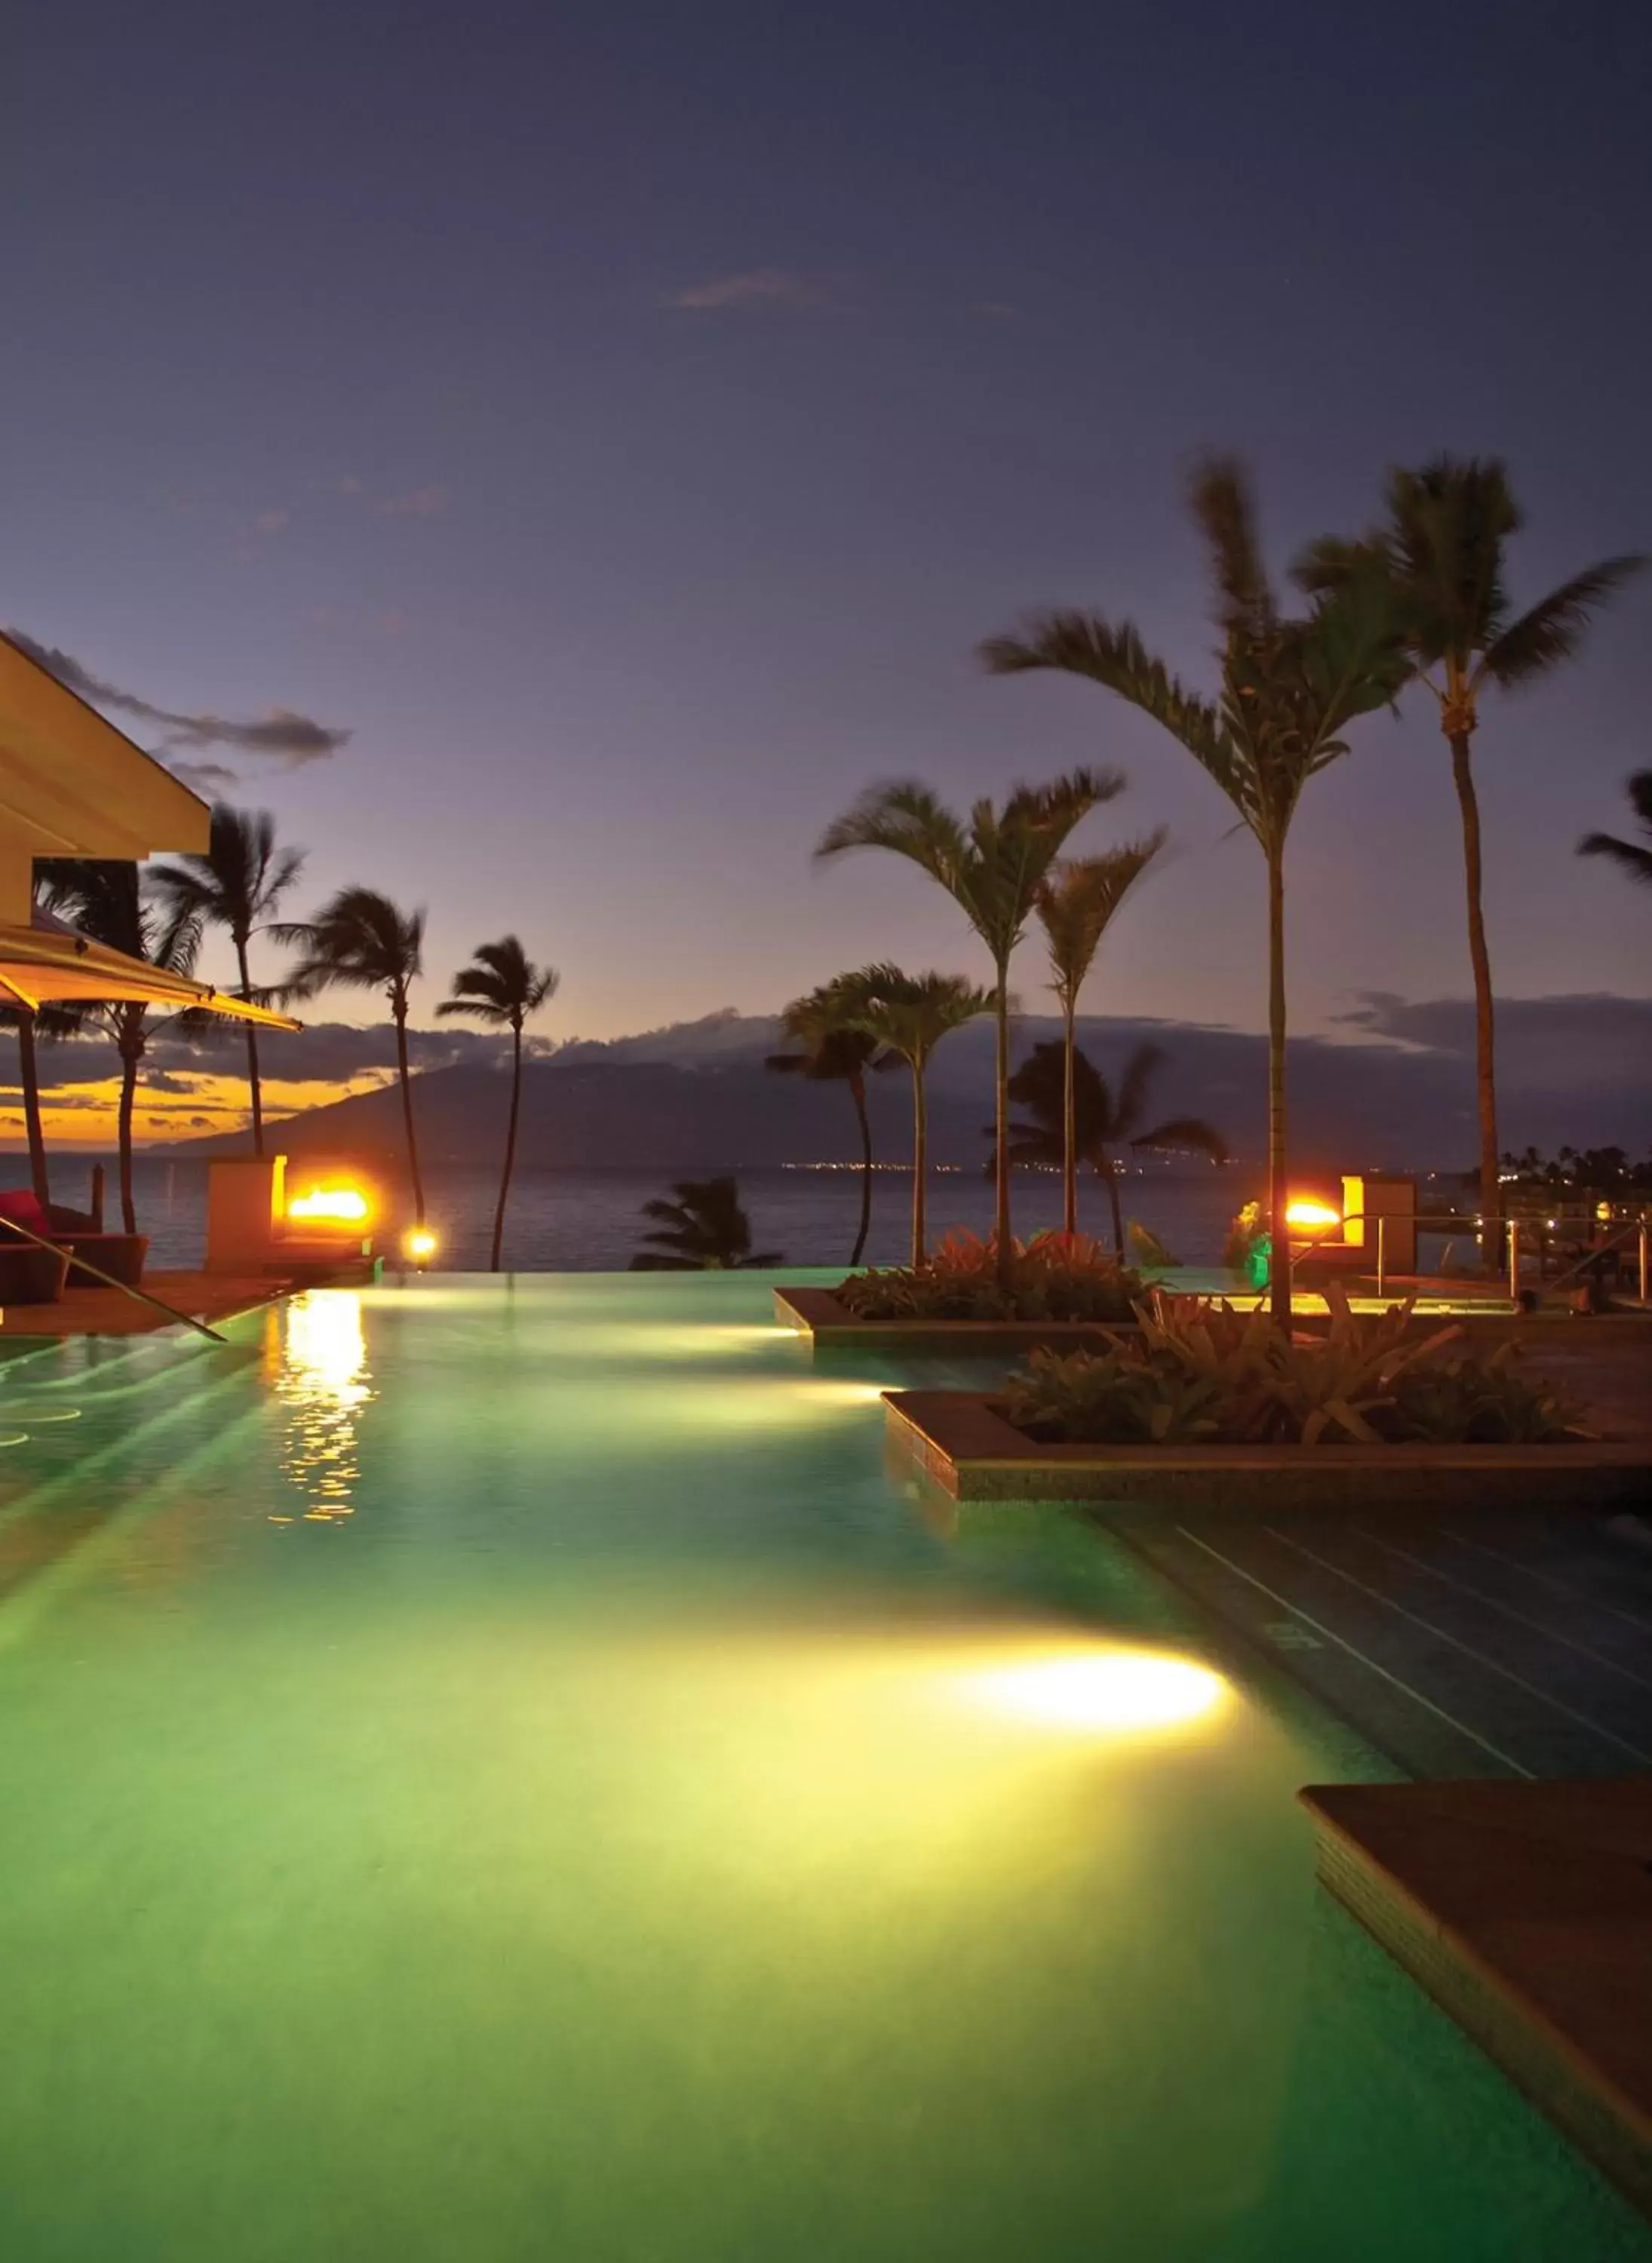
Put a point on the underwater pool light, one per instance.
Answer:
(1109, 1690)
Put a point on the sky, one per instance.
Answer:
(555, 457)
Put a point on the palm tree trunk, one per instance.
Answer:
(1480, 959)
(857, 1093)
(255, 1088)
(129, 1093)
(1278, 1176)
(1001, 1125)
(399, 1008)
(29, 1077)
(510, 1143)
(1112, 1171)
(1069, 1128)
(920, 1163)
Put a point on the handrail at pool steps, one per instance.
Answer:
(1307, 1242)
(138, 1296)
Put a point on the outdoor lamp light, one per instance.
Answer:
(420, 1245)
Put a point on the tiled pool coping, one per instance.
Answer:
(1525, 1911)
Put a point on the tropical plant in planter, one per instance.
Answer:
(1054, 1277)
(1201, 1373)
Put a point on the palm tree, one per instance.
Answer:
(501, 986)
(1289, 687)
(359, 940)
(704, 1231)
(1076, 906)
(1442, 549)
(992, 866)
(106, 901)
(31, 1023)
(1054, 1079)
(238, 885)
(908, 1014)
(835, 1052)
(1628, 855)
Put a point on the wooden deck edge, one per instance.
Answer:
(967, 1447)
(1549, 2066)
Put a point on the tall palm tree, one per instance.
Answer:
(1442, 547)
(1627, 854)
(238, 885)
(106, 901)
(992, 866)
(31, 1023)
(1076, 906)
(706, 1230)
(1289, 687)
(501, 986)
(908, 1014)
(359, 940)
(835, 1052)
(1103, 1118)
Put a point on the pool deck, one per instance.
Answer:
(1525, 1911)
(205, 1297)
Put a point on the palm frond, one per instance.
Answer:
(1184, 1131)
(1627, 854)
(1222, 503)
(1552, 630)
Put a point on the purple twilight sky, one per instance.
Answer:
(622, 421)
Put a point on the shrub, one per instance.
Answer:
(1202, 1373)
(1050, 1278)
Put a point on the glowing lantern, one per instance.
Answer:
(420, 1245)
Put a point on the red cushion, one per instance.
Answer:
(20, 1202)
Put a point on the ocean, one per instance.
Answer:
(590, 1221)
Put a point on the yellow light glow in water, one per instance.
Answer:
(326, 1349)
(1305, 1211)
(1120, 1690)
(333, 1205)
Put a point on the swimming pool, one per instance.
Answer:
(500, 1770)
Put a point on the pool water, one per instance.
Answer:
(498, 1770)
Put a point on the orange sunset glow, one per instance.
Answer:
(194, 1104)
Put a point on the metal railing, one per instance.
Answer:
(1633, 1231)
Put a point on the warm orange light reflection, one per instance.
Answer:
(1120, 1690)
(1305, 1211)
(335, 1205)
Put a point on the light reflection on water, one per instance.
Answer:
(316, 1355)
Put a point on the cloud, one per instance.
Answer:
(284, 735)
(758, 286)
(271, 521)
(204, 778)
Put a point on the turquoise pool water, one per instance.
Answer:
(504, 1771)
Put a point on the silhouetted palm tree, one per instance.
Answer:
(104, 900)
(1289, 687)
(359, 940)
(1627, 854)
(992, 866)
(1442, 549)
(704, 1231)
(908, 1014)
(238, 885)
(501, 986)
(1105, 1119)
(31, 1023)
(835, 1052)
(1076, 906)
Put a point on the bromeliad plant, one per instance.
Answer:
(1202, 1374)
(1054, 1277)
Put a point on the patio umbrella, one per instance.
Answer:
(54, 965)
